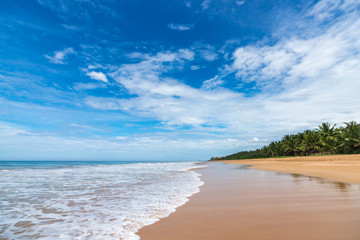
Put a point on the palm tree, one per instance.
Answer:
(352, 134)
(328, 137)
(330, 145)
(290, 144)
(311, 142)
(326, 130)
(274, 149)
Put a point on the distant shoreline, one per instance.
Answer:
(342, 168)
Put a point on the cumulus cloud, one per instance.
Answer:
(97, 76)
(180, 27)
(59, 56)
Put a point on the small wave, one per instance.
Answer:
(92, 202)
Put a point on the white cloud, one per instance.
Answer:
(8, 131)
(206, 51)
(208, 55)
(160, 97)
(308, 80)
(326, 9)
(254, 63)
(195, 67)
(186, 54)
(180, 27)
(213, 82)
(187, 3)
(95, 66)
(97, 76)
(59, 56)
(292, 60)
(240, 3)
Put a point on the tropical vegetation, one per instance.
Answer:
(325, 139)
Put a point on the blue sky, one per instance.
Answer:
(171, 80)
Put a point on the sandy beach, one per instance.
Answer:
(237, 202)
(342, 168)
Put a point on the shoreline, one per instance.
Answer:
(341, 168)
(238, 202)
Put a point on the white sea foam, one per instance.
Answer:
(92, 202)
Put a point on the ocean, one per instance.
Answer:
(88, 199)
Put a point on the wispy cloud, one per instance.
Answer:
(15, 142)
(180, 27)
(213, 82)
(327, 9)
(97, 76)
(206, 4)
(70, 27)
(7, 130)
(297, 59)
(60, 56)
(87, 86)
(78, 9)
(195, 67)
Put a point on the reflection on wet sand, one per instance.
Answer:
(300, 178)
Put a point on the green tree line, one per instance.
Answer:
(326, 139)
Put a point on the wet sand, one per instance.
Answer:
(242, 203)
(343, 168)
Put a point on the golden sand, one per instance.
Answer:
(342, 168)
